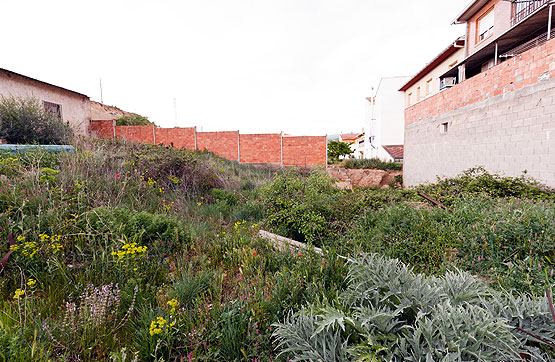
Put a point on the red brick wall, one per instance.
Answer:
(260, 148)
(523, 70)
(142, 134)
(102, 129)
(304, 150)
(224, 144)
(255, 148)
(179, 137)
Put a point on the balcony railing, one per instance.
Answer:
(523, 8)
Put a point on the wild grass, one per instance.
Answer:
(172, 236)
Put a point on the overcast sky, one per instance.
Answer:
(298, 66)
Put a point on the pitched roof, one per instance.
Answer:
(395, 151)
(349, 136)
(469, 11)
(451, 49)
(10, 73)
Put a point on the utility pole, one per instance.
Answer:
(175, 111)
(101, 97)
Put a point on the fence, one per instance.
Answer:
(266, 148)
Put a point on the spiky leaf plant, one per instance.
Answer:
(390, 313)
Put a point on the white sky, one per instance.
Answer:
(298, 66)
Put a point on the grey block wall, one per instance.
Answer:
(507, 134)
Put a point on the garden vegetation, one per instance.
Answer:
(130, 252)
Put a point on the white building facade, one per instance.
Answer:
(385, 123)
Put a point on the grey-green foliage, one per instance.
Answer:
(24, 120)
(390, 313)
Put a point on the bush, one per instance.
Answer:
(24, 120)
(489, 238)
(307, 208)
(390, 313)
(478, 181)
(140, 226)
(372, 163)
(133, 120)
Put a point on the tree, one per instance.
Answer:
(337, 149)
(24, 120)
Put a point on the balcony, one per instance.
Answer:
(523, 8)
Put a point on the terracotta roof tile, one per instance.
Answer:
(396, 151)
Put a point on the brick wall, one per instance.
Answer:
(304, 150)
(102, 129)
(521, 71)
(224, 144)
(255, 148)
(260, 148)
(142, 134)
(178, 137)
(502, 119)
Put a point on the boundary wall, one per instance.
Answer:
(502, 119)
(266, 148)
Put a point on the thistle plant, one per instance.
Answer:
(388, 312)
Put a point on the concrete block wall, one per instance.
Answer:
(223, 144)
(304, 150)
(260, 148)
(508, 133)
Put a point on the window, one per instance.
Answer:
(429, 86)
(409, 100)
(444, 128)
(484, 26)
(53, 108)
(453, 64)
(417, 94)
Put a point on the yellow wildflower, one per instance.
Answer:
(18, 293)
(172, 303)
(31, 282)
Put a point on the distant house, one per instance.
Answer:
(385, 124)
(498, 109)
(356, 141)
(395, 151)
(68, 105)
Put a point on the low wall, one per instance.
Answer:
(266, 148)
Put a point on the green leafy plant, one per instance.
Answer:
(133, 120)
(336, 149)
(390, 313)
(372, 163)
(24, 120)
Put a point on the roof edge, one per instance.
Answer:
(40, 81)
(450, 50)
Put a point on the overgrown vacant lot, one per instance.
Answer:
(133, 252)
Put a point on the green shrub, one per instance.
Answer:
(138, 226)
(306, 208)
(390, 313)
(491, 238)
(478, 181)
(133, 120)
(24, 120)
(372, 163)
